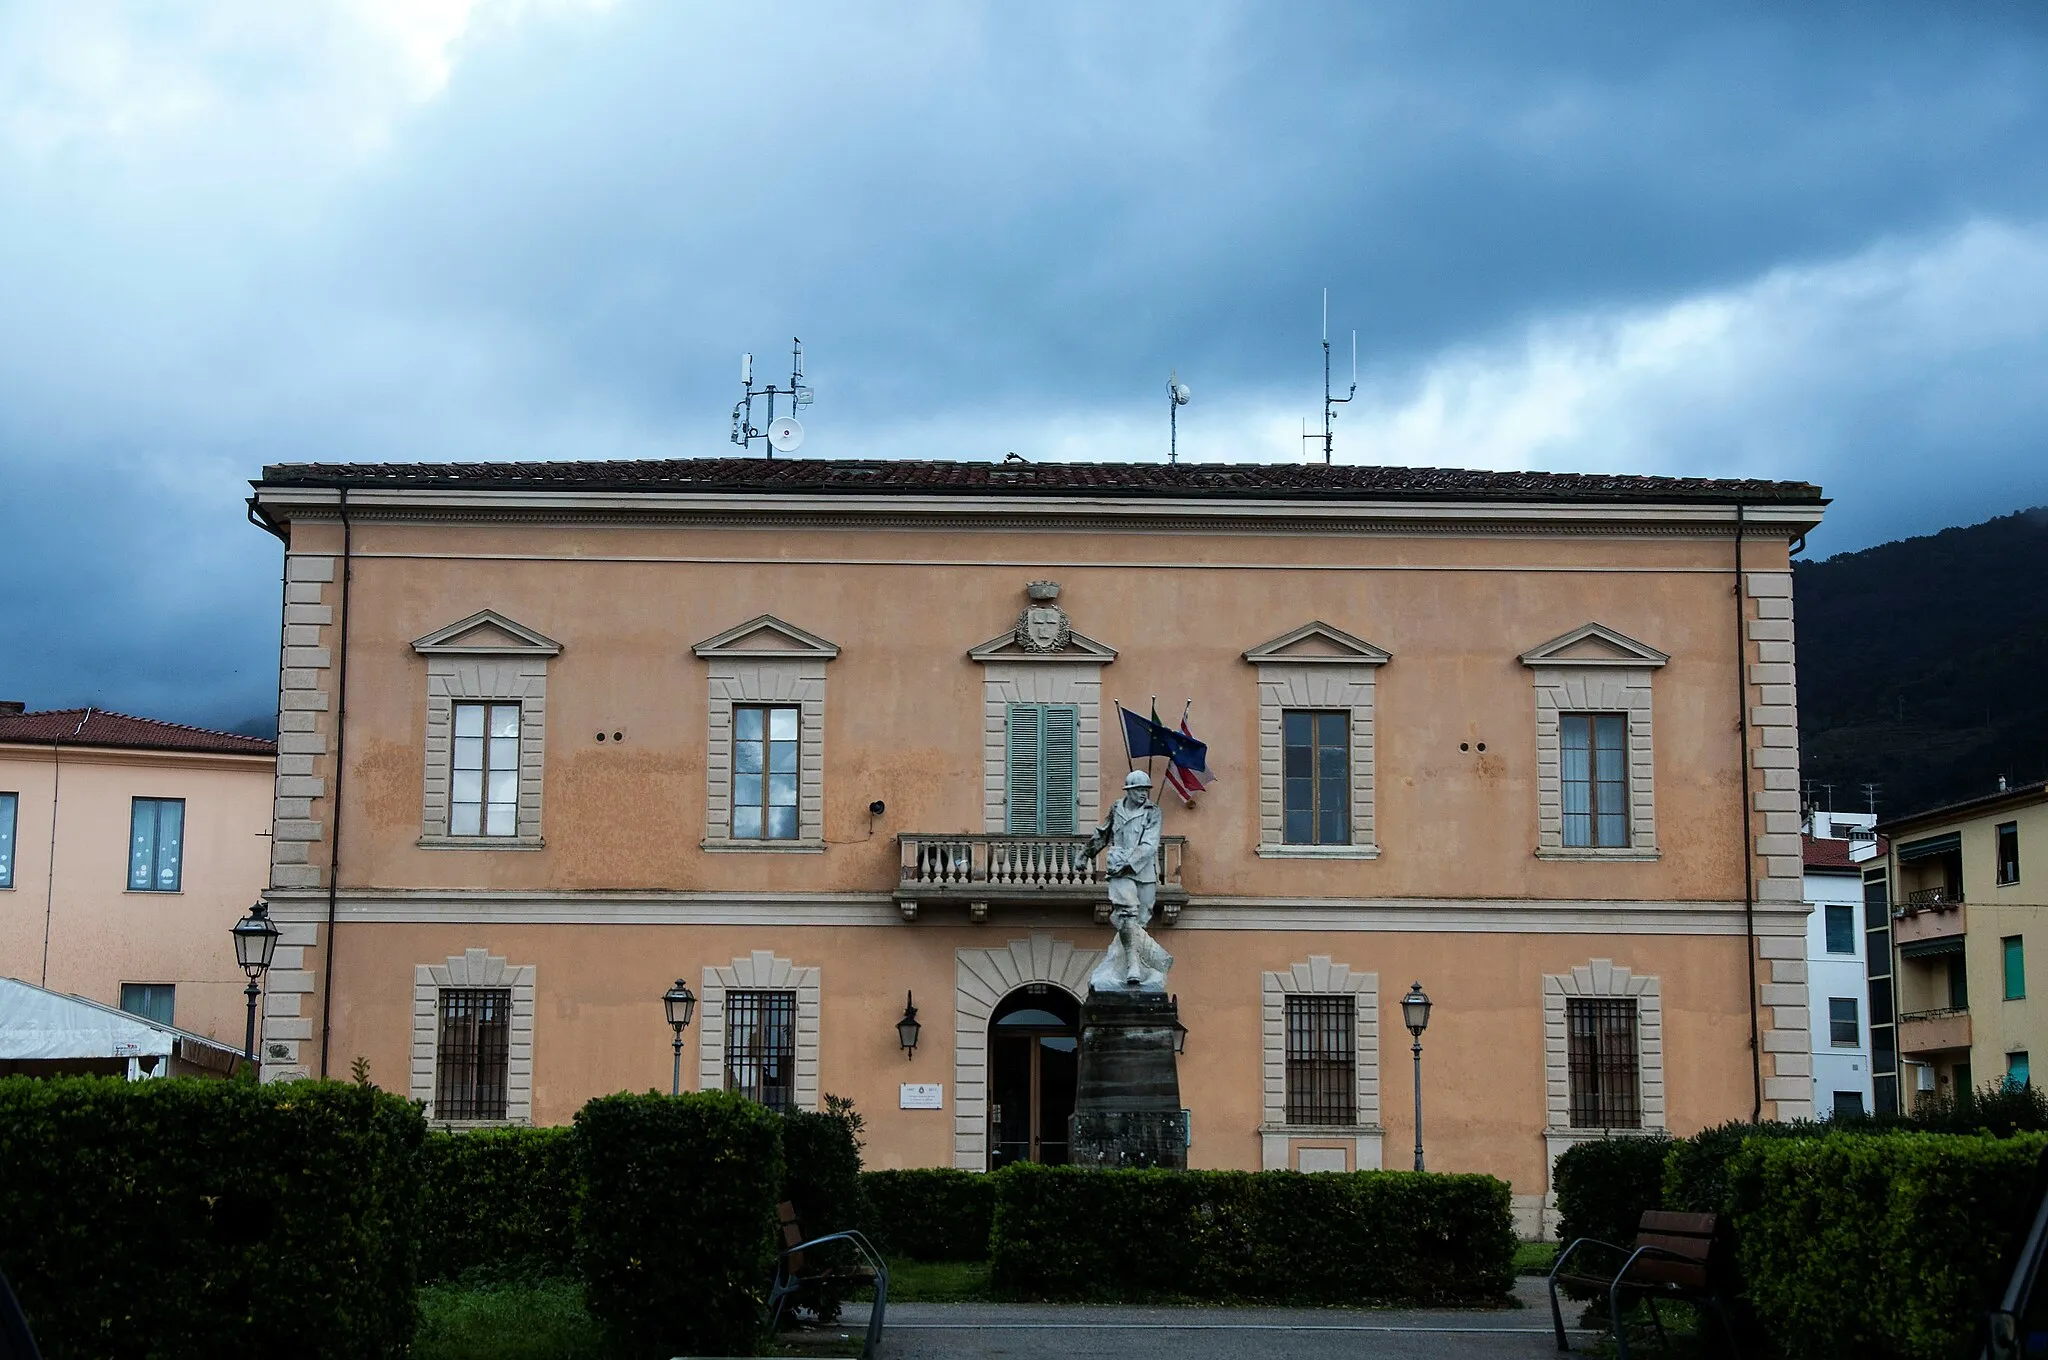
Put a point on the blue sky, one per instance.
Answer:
(1790, 241)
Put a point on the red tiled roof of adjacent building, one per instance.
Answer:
(1822, 853)
(904, 477)
(98, 727)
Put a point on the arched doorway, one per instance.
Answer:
(1034, 1040)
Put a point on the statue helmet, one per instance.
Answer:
(1137, 779)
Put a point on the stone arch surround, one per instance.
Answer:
(982, 978)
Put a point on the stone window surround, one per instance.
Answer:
(474, 968)
(1064, 680)
(982, 978)
(745, 672)
(1341, 680)
(1281, 1143)
(1600, 978)
(1616, 682)
(512, 669)
(761, 970)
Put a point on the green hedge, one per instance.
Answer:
(821, 1178)
(934, 1214)
(1604, 1186)
(677, 1220)
(498, 1204)
(1696, 1169)
(200, 1218)
(1889, 1246)
(1266, 1236)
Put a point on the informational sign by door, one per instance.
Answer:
(922, 1095)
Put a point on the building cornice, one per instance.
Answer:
(1085, 513)
(44, 752)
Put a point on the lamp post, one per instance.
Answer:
(1415, 1014)
(907, 1029)
(255, 944)
(680, 1003)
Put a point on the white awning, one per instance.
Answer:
(39, 1024)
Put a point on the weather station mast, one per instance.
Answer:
(1330, 403)
(1177, 396)
(781, 434)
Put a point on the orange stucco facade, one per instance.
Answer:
(622, 877)
(70, 922)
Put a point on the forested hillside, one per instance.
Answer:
(1923, 664)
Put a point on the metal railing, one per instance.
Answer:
(1933, 899)
(1941, 1013)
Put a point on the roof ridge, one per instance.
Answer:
(95, 710)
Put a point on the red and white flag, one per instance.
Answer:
(1182, 780)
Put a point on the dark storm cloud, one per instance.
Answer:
(1805, 242)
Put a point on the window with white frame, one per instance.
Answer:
(156, 845)
(764, 753)
(1595, 760)
(764, 771)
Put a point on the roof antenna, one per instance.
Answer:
(1177, 395)
(782, 434)
(1330, 402)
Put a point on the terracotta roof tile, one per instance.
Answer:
(1235, 481)
(98, 727)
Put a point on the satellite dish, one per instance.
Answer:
(785, 435)
(1181, 394)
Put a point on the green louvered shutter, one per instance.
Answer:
(1057, 769)
(1022, 794)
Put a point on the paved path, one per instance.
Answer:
(923, 1331)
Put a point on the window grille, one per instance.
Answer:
(1602, 1043)
(1594, 747)
(1322, 1060)
(484, 794)
(760, 1047)
(1315, 777)
(473, 1061)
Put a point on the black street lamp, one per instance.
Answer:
(1180, 1031)
(907, 1028)
(255, 944)
(680, 1003)
(1415, 1014)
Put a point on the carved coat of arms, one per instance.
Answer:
(1043, 626)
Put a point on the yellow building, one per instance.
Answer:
(1964, 918)
(820, 738)
(128, 848)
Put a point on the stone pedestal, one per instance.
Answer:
(1127, 1110)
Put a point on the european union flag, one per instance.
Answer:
(1149, 737)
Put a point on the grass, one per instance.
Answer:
(939, 1282)
(542, 1321)
(1534, 1258)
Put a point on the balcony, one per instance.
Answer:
(979, 871)
(1934, 1031)
(1927, 920)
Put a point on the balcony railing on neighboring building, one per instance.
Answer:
(1933, 899)
(1020, 870)
(1934, 1031)
(1933, 926)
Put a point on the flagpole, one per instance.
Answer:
(1130, 761)
(1154, 715)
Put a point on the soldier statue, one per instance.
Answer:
(1135, 961)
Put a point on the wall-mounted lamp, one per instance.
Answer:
(907, 1028)
(1180, 1031)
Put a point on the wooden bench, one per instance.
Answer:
(794, 1276)
(1674, 1258)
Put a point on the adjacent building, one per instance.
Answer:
(823, 740)
(1964, 917)
(1836, 847)
(128, 848)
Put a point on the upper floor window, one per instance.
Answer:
(2009, 852)
(2013, 956)
(1042, 773)
(1602, 1063)
(1594, 778)
(156, 845)
(1844, 1028)
(156, 1001)
(764, 772)
(1322, 1059)
(472, 1060)
(1841, 927)
(484, 794)
(1315, 777)
(760, 1046)
(8, 805)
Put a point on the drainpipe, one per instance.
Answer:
(56, 797)
(1756, 1053)
(340, 763)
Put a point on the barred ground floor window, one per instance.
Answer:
(1322, 1060)
(760, 1046)
(1605, 1086)
(472, 1062)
